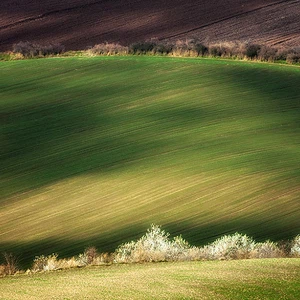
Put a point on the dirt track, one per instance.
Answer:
(78, 24)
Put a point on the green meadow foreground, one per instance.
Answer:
(240, 279)
(93, 150)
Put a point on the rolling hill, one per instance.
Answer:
(94, 150)
(78, 24)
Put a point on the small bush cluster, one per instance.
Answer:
(150, 48)
(90, 256)
(235, 246)
(293, 56)
(266, 249)
(46, 263)
(31, 50)
(235, 50)
(295, 247)
(154, 47)
(10, 265)
(157, 246)
(154, 246)
(108, 49)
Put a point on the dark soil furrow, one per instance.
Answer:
(50, 13)
(229, 18)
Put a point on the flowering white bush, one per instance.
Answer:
(155, 245)
(229, 247)
(52, 263)
(45, 263)
(295, 250)
(266, 249)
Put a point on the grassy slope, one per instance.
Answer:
(94, 150)
(247, 279)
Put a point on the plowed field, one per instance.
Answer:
(79, 24)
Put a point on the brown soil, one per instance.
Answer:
(78, 24)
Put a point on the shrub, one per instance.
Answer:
(266, 249)
(234, 246)
(180, 249)
(91, 254)
(163, 48)
(184, 48)
(294, 56)
(295, 249)
(88, 257)
(155, 246)
(67, 263)
(10, 265)
(281, 54)
(224, 49)
(2, 270)
(30, 50)
(45, 263)
(285, 247)
(215, 51)
(252, 50)
(27, 49)
(267, 53)
(151, 47)
(108, 49)
(201, 49)
(142, 47)
(52, 263)
(105, 258)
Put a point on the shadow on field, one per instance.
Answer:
(56, 139)
(270, 98)
(47, 142)
(91, 128)
(38, 141)
(278, 90)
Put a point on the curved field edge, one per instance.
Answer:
(243, 279)
(96, 149)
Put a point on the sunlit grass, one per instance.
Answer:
(243, 279)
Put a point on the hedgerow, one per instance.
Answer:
(157, 246)
(31, 50)
(235, 50)
(108, 49)
(183, 48)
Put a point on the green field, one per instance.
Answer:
(94, 150)
(243, 279)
